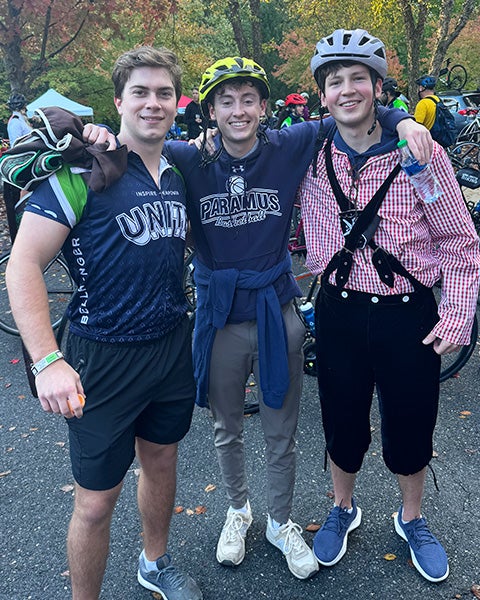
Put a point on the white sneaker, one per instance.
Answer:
(231, 545)
(288, 538)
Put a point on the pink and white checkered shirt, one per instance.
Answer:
(432, 241)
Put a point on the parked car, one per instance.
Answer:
(463, 105)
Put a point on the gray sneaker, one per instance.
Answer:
(288, 538)
(231, 544)
(167, 580)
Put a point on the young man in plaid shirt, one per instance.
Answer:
(377, 323)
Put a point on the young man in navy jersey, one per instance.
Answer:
(129, 345)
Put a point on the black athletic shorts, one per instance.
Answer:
(141, 390)
(366, 342)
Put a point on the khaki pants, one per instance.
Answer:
(234, 358)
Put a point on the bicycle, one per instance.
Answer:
(471, 131)
(464, 154)
(453, 78)
(60, 287)
(465, 159)
(296, 243)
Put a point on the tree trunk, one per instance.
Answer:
(256, 31)
(446, 34)
(11, 50)
(236, 22)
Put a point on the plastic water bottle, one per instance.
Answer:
(309, 316)
(421, 176)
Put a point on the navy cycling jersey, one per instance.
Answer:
(125, 250)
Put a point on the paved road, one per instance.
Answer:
(35, 507)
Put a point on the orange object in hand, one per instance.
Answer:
(81, 399)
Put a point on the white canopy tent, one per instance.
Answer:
(52, 98)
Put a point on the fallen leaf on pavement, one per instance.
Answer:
(466, 413)
(200, 510)
(5, 473)
(65, 573)
(14, 361)
(67, 488)
(210, 487)
(312, 527)
(390, 556)
(330, 494)
(178, 509)
(475, 589)
(189, 512)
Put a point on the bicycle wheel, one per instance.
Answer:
(60, 287)
(453, 363)
(457, 77)
(470, 133)
(465, 154)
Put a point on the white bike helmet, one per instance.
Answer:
(350, 44)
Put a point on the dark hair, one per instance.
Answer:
(283, 113)
(237, 83)
(322, 73)
(146, 56)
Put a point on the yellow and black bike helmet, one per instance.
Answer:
(229, 68)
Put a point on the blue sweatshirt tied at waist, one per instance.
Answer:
(215, 293)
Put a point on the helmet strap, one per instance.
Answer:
(375, 117)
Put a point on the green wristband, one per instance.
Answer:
(46, 361)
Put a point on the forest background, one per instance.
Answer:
(71, 45)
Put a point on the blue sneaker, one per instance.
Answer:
(167, 580)
(330, 542)
(427, 552)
